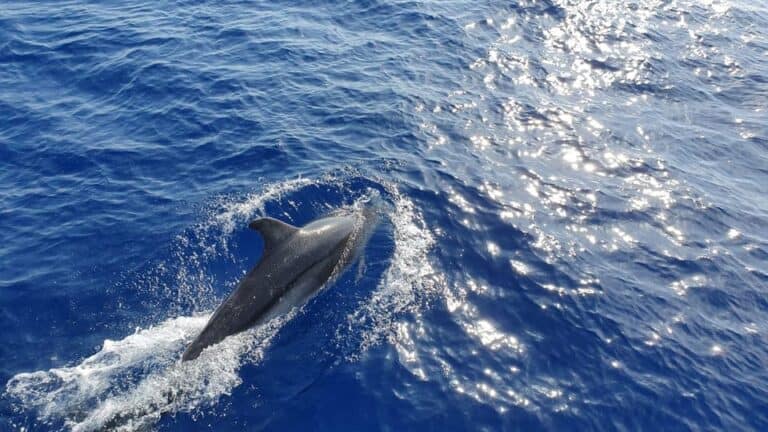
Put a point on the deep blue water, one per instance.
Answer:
(575, 232)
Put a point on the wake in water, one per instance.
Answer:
(101, 391)
(131, 383)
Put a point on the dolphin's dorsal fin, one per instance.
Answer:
(272, 230)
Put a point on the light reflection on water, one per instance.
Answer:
(546, 98)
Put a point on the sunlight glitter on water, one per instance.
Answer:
(607, 179)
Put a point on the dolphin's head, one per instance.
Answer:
(347, 229)
(330, 225)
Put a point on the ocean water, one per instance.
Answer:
(574, 198)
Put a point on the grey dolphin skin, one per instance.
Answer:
(295, 264)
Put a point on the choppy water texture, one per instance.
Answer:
(575, 229)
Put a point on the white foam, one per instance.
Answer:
(110, 389)
(235, 213)
(409, 277)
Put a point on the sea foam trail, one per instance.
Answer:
(130, 383)
(102, 392)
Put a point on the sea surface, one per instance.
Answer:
(574, 197)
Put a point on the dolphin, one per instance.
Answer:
(295, 264)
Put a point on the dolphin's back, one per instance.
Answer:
(294, 265)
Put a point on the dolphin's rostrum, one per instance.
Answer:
(295, 264)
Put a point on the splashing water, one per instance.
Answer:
(409, 278)
(131, 383)
(99, 392)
